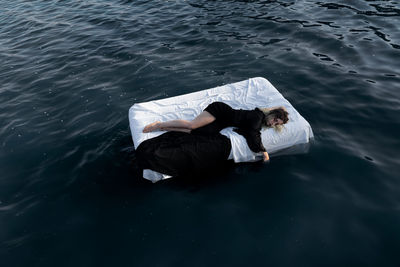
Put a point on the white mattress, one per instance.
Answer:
(248, 94)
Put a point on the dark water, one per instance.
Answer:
(70, 70)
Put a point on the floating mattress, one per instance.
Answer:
(248, 94)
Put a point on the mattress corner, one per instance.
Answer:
(259, 78)
(131, 109)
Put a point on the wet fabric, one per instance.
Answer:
(177, 153)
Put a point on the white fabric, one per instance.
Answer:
(248, 94)
(240, 151)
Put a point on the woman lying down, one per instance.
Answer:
(197, 145)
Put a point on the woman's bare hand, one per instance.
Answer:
(266, 157)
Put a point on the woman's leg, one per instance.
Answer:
(202, 119)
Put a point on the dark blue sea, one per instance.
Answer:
(70, 195)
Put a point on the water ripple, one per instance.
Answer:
(71, 69)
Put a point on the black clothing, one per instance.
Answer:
(177, 153)
(248, 123)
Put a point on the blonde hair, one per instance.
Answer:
(275, 112)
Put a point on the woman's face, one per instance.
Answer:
(274, 121)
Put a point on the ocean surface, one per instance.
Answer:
(69, 193)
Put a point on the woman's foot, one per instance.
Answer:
(152, 127)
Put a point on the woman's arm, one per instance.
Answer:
(203, 119)
(253, 139)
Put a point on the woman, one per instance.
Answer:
(218, 116)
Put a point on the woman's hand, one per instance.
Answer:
(265, 157)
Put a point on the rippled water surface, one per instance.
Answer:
(70, 70)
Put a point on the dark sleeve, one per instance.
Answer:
(249, 119)
(253, 139)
